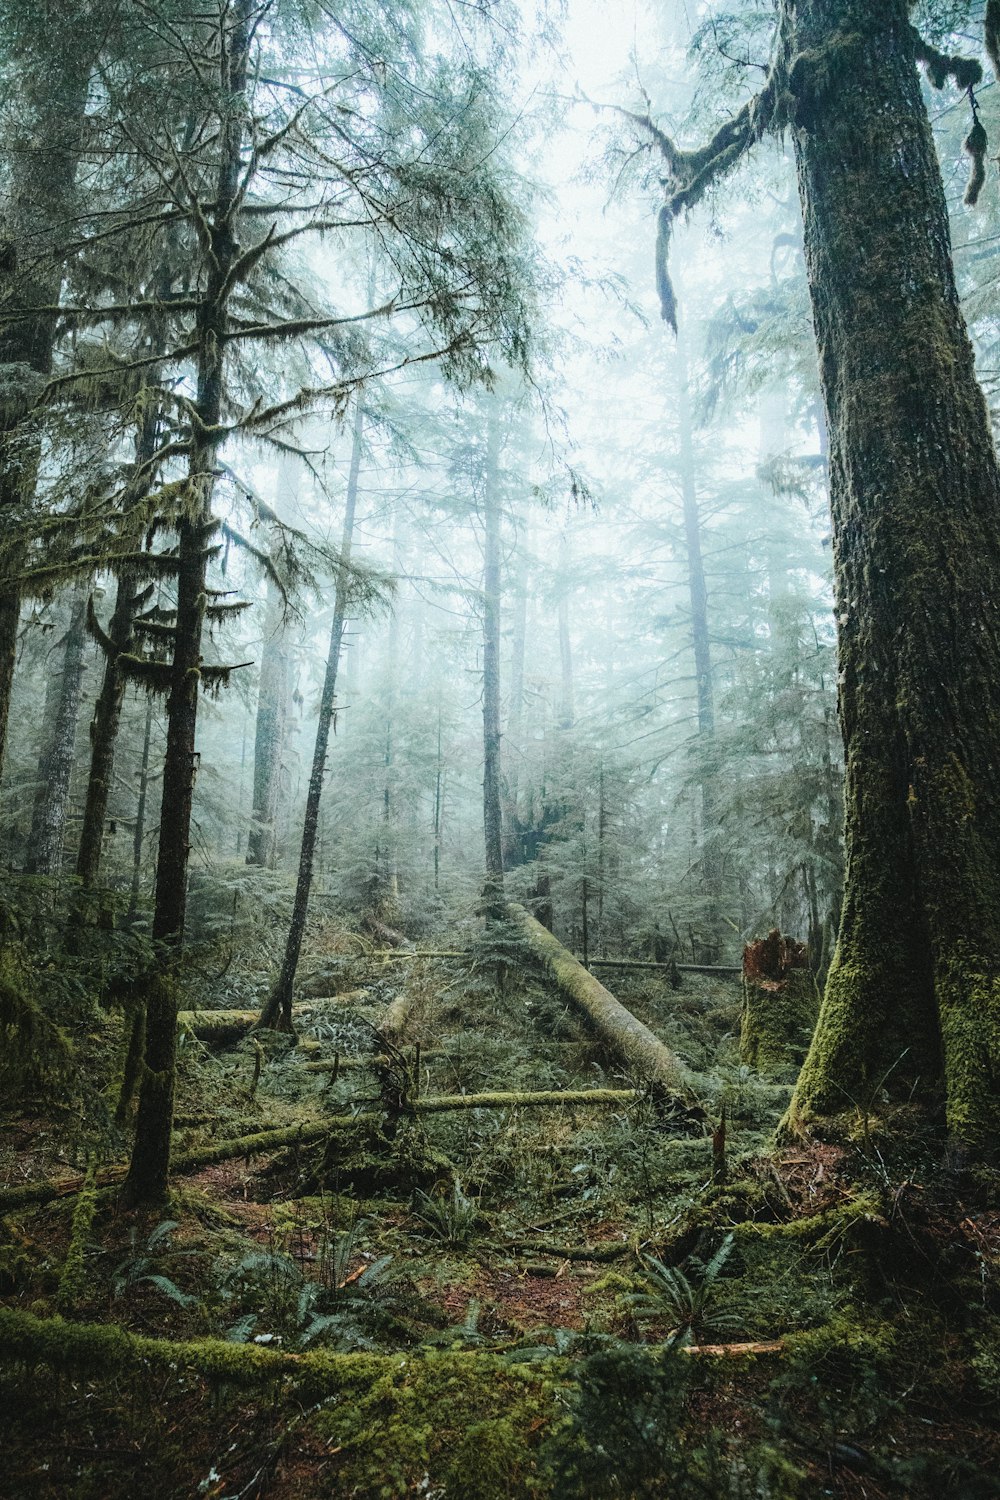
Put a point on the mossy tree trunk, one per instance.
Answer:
(146, 1181)
(42, 154)
(913, 995)
(278, 1010)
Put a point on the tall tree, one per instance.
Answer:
(913, 997)
(47, 98)
(278, 1010)
(492, 819)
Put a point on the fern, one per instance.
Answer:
(684, 1298)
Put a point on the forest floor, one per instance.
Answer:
(482, 1302)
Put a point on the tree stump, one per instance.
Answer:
(780, 1005)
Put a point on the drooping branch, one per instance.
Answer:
(690, 173)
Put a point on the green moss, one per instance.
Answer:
(73, 1278)
(777, 1022)
(465, 1427)
(35, 1052)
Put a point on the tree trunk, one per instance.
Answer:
(566, 711)
(515, 721)
(492, 821)
(278, 1010)
(913, 997)
(272, 706)
(705, 688)
(149, 1167)
(42, 164)
(55, 766)
(139, 833)
(104, 732)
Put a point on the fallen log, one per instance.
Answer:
(37, 1193)
(729, 970)
(388, 935)
(543, 1099)
(230, 1025)
(626, 1038)
(108, 1350)
(735, 1351)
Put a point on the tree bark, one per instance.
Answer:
(515, 720)
(704, 681)
(278, 1010)
(41, 176)
(272, 707)
(55, 766)
(148, 1172)
(492, 819)
(913, 996)
(104, 732)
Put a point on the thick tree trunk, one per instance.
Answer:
(627, 1040)
(492, 818)
(149, 1167)
(55, 766)
(278, 1010)
(42, 161)
(272, 706)
(913, 997)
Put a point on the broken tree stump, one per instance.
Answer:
(780, 1005)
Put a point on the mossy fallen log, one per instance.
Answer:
(230, 1025)
(108, 1351)
(597, 1253)
(542, 1099)
(625, 1037)
(38, 1193)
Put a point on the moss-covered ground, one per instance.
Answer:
(571, 1301)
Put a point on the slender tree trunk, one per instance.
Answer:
(278, 1010)
(515, 720)
(492, 823)
(566, 712)
(437, 805)
(55, 767)
(913, 997)
(104, 730)
(149, 1166)
(272, 707)
(139, 833)
(704, 680)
